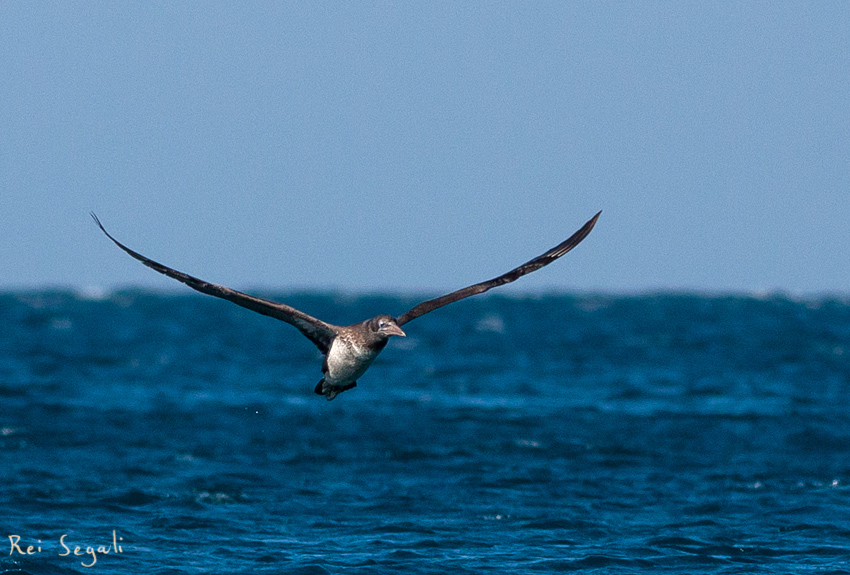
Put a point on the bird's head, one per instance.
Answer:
(385, 326)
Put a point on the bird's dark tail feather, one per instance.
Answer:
(329, 391)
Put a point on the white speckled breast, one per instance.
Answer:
(346, 362)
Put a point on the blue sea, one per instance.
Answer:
(174, 433)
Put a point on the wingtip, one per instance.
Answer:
(103, 229)
(592, 221)
(96, 220)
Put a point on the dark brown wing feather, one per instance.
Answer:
(526, 268)
(317, 331)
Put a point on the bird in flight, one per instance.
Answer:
(350, 350)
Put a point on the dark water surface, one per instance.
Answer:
(669, 433)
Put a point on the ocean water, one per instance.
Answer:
(671, 433)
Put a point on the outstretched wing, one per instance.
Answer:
(526, 268)
(317, 331)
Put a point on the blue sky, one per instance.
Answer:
(420, 147)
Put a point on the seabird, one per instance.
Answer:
(350, 350)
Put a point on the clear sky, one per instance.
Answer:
(425, 146)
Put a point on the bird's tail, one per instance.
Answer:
(331, 391)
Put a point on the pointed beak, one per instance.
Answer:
(394, 330)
